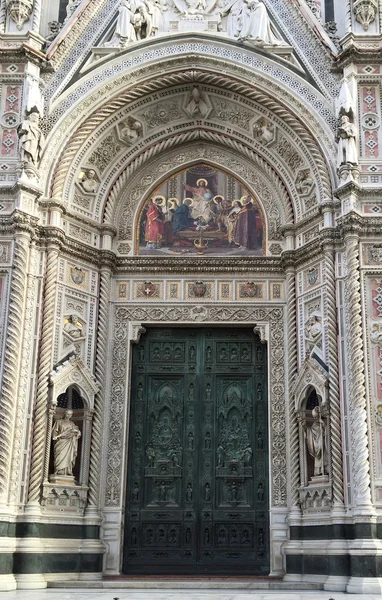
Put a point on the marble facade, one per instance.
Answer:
(99, 115)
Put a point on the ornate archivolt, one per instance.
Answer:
(162, 121)
(292, 111)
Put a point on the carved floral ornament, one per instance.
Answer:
(19, 11)
(365, 12)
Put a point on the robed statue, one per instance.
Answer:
(316, 442)
(65, 435)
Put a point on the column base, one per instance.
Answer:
(364, 585)
(31, 581)
(336, 583)
(7, 583)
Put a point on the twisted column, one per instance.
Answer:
(292, 372)
(44, 368)
(12, 356)
(335, 439)
(100, 373)
(358, 449)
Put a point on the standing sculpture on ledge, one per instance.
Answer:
(315, 439)
(65, 435)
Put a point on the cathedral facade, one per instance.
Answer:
(191, 291)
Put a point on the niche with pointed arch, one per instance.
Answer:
(201, 211)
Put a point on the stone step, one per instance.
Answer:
(186, 584)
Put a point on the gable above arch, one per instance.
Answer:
(91, 22)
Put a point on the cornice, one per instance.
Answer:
(18, 222)
(200, 265)
(17, 48)
(358, 49)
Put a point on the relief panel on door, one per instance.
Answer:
(197, 498)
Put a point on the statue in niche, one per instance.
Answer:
(234, 491)
(260, 492)
(197, 107)
(220, 455)
(190, 441)
(347, 146)
(150, 454)
(222, 537)
(244, 355)
(73, 327)
(140, 392)
(136, 492)
(189, 493)
(207, 441)
(162, 491)
(264, 131)
(65, 436)
(88, 181)
(206, 536)
(138, 440)
(256, 25)
(207, 492)
(192, 354)
(247, 455)
(260, 441)
(223, 354)
(188, 535)
(31, 139)
(141, 354)
(134, 537)
(131, 131)
(316, 442)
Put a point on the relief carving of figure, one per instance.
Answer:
(197, 107)
(65, 435)
(305, 183)
(313, 328)
(256, 25)
(31, 139)
(347, 146)
(73, 328)
(264, 132)
(376, 333)
(315, 439)
(88, 181)
(131, 131)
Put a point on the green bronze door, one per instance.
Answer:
(197, 491)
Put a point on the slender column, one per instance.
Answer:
(357, 391)
(292, 372)
(100, 372)
(44, 368)
(335, 438)
(12, 357)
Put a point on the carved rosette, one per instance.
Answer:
(20, 11)
(365, 12)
